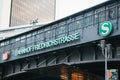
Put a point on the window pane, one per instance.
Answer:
(61, 35)
(96, 19)
(12, 40)
(2, 44)
(28, 35)
(102, 16)
(87, 21)
(2, 49)
(17, 39)
(48, 35)
(22, 42)
(29, 40)
(34, 33)
(119, 10)
(71, 26)
(41, 36)
(62, 23)
(17, 44)
(112, 13)
(37, 37)
(60, 30)
(23, 37)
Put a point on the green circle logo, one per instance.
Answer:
(105, 28)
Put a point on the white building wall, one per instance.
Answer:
(5, 6)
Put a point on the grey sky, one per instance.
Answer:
(68, 7)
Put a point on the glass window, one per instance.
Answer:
(72, 19)
(48, 35)
(60, 30)
(81, 23)
(101, 16)
(6, 42)
(23, 37)
(54, 26)
(91, 19)
(13, 51)
(37, 42)
(29, 40)
(23, 42)
(2, 44)
(17, 39)
(111, 13)
(96, 18)
(33, 37)
(88, 14)
(79, 17)
(7, 47)
(87, 21)
(71, 26)
(53, 33)
(2, 49)
(40, 31)
(47, 39)
(69, 20)
(61, 35)
(71, 32)
(34, 33)
(28, 45)
(17, 44)
(13, 45)
(29, 35)
(78, 25)
(62, 23)
(37, 37)
(119, 11)
(47, 28)
(41, 36)
(12, 40)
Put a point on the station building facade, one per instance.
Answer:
(67, 49)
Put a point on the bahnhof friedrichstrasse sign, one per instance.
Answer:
(51, 43)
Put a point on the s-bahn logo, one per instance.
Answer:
(105, 28)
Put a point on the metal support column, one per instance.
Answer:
(106, 51)
(106, 70)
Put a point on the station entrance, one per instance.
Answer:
(61, 72)
(89, 71)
